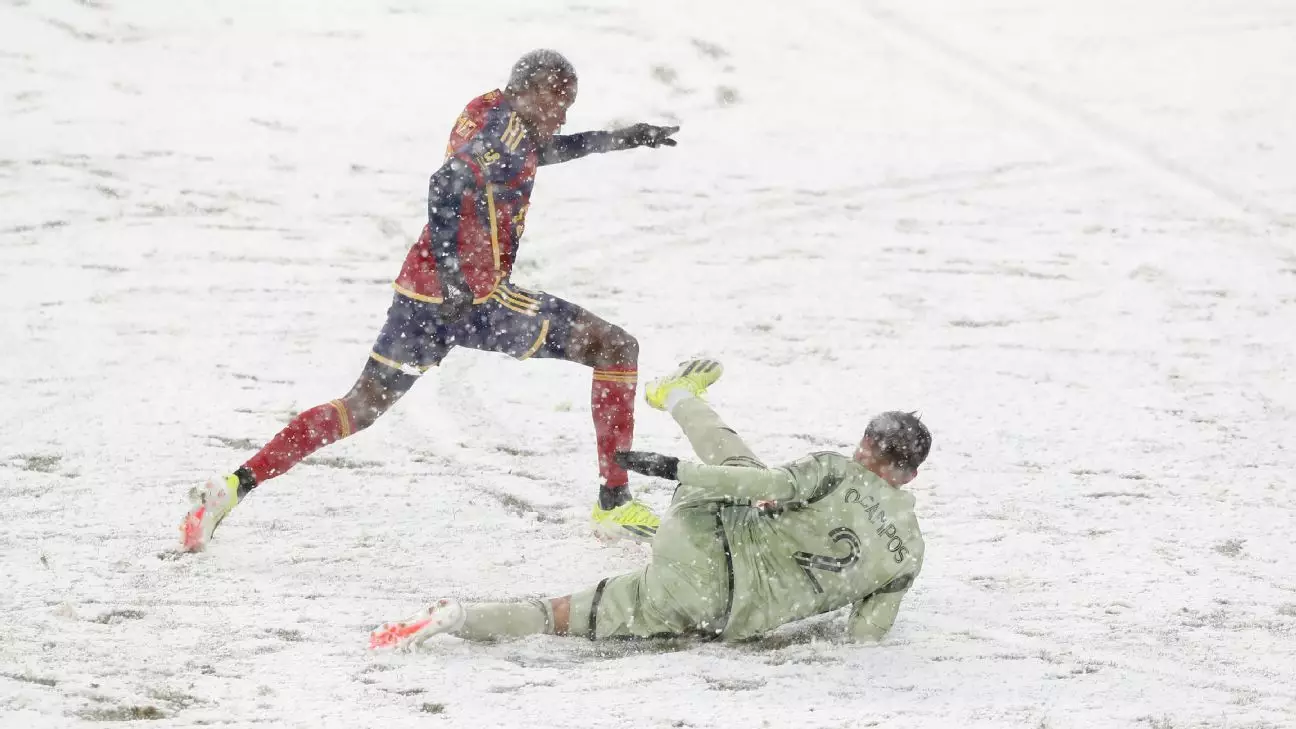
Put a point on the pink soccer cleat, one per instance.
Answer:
(212, 502)
(443, 616)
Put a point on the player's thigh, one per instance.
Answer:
(575, 334)
(375, 391)
(412, 341)
(689, 576)
(640, 605)
(511, 321)
(523, 324)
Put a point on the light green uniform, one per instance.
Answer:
(727, 564)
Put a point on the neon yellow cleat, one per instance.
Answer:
(211, 503)
(695, 376)
(630, 520)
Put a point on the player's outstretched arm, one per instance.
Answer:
(699, 482)
(805, 479)
(740, 483)
(567, 147)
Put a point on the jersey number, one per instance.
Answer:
(810, 562)
(514, 132)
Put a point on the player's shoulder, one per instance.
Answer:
(477, 114)
(824, 457)
(817, 475)
(831, 463)
(495, 123)
(829, 457)
(494, 113)
(486, 103)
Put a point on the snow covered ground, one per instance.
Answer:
(1063, 230)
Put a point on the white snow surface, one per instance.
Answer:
(1063, 231)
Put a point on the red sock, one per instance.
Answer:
(612, 404)
(307, 433)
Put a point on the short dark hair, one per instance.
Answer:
(539, 67)
(901, 438)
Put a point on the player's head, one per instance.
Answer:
(895, 444)
(542, 87)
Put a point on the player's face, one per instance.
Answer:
(549, 105)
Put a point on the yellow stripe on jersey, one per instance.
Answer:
(490, 212)
(489, 294)
(417, 297)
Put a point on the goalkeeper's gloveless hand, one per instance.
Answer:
(649, 464)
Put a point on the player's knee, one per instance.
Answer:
(367, 404)
(364, 414)
(375, 392)
(623, 348)
(600, 344)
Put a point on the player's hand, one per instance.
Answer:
(649, 463)
(455, 304)
(644, 135)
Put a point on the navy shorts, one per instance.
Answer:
(514, 321)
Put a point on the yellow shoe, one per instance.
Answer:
(629, 519)
(211, 503)
(695, 376)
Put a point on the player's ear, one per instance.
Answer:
(903, 476)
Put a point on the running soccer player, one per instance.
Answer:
(454, 290)
(743, 549)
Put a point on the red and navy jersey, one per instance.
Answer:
(490, 140)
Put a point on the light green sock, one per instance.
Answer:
(714, 442)
(503, 620)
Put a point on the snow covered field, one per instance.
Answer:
(1062, 230)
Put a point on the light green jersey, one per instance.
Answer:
(808, 538)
